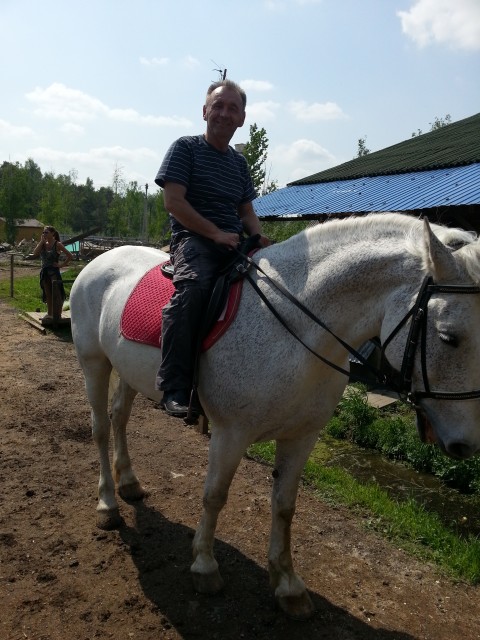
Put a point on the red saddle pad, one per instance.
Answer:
(142, 315)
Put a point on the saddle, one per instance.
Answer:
(233, 271)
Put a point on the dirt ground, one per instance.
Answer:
(62, 578)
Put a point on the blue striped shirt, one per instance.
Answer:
(216, 182)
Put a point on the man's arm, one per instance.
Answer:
(182, 210)
(251, 223)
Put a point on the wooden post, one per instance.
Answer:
(55, 299)
(11, 275)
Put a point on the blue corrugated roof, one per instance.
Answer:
(419, 190)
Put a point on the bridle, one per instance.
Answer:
(386, 376)
(417, 332)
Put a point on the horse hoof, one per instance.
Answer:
(132, 491)
(207, 583)
(296, 607)
(110, 519)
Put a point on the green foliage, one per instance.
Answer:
(438, 123)
(255, 152)
(279, 231)
(405, 523)
(362, 147)
(392, 431)
(76, 208)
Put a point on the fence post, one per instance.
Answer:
(11, 275)
(55, 298)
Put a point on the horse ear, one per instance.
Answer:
(439, 260)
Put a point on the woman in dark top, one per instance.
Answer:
(49, 249)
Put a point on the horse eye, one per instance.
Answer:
(449, 339)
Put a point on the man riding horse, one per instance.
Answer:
(208, 192)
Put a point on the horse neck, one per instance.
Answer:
(345, 273)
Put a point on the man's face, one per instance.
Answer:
(224, 112)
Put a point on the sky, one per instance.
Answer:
(103, 87)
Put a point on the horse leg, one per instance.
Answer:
(122, 401)
(290, 592)
(224, 457)
(97, 377)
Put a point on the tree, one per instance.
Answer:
(438, 123)
(33, 188)
(159, 221)
(362, 147)
(86, 213)
(255, 152)
(12, 197)
(72, 208)
(50, 205)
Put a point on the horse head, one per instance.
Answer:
(437, 352)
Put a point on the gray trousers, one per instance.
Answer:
(196, 263)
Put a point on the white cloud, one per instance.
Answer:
(98, 162)
(72, 128)
(298, 160)
(133, 117)
(154, 62)
(452, 22)
(256, 85)
(14, 131)
(95, 155)
(190, 62)
(63, 103)
(262, 111)
(316, 111)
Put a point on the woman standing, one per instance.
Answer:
(49, 249)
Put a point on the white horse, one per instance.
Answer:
(257, 383)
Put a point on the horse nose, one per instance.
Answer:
(460, 450)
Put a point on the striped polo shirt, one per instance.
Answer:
(217, 182)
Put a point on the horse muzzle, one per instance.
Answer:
(460, 450)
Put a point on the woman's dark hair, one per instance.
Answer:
(53, 231)
(230, 84)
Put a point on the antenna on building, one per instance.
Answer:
(222, 72)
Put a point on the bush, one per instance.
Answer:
(392, 431)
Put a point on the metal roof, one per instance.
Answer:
(453, 186)
(453, 145)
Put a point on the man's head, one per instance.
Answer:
(224, 112)
(231, 85)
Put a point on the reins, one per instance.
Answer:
(379, 375)
(400, 382)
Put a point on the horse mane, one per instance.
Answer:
(464, 244)
(407, 229)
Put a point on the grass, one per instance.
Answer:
(27, 295)
(407, 524)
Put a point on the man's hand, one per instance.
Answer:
(264, 241)
(225, 239)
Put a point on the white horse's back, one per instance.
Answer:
(97, 302)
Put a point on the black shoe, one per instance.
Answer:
(175, 403)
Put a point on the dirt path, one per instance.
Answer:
(61, 578)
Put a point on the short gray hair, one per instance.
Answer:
(230, 84)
